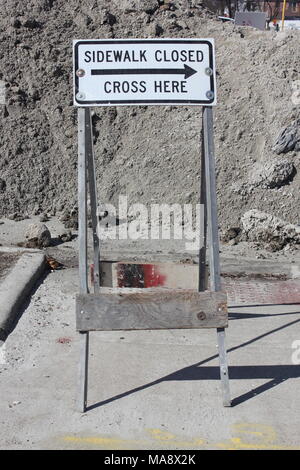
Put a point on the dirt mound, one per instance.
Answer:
(150, 154)
(271, 231)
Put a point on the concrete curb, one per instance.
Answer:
(17, 286)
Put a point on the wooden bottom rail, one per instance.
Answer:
(150, 309)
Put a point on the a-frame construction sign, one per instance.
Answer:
(124, 72)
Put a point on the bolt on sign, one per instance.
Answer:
(144, 71)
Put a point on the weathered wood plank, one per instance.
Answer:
(157, 308)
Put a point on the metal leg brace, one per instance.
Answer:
(214, 258)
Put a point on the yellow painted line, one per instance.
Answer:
(105, 442)
(114, 443)
(165, 436)
(265, 434)
(161, 435)
(255, 436)
(236, 443)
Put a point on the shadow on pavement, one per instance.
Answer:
(244, 316)
(277, 373)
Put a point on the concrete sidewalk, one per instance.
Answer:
(151, 389)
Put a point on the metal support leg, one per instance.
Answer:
(83, 371)
(223, 366)
(214, 259)
(93, 197)
(83, 271)
(203, 224)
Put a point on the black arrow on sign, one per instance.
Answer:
(186, 71)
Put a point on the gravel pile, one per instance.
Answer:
(150, 154)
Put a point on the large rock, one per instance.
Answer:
(288, 139)
(38, 235)
(272, 231)
(272, 174)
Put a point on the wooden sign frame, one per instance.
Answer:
(109, 309)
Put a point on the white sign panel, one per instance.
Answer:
(256, 19)
(144, 71)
